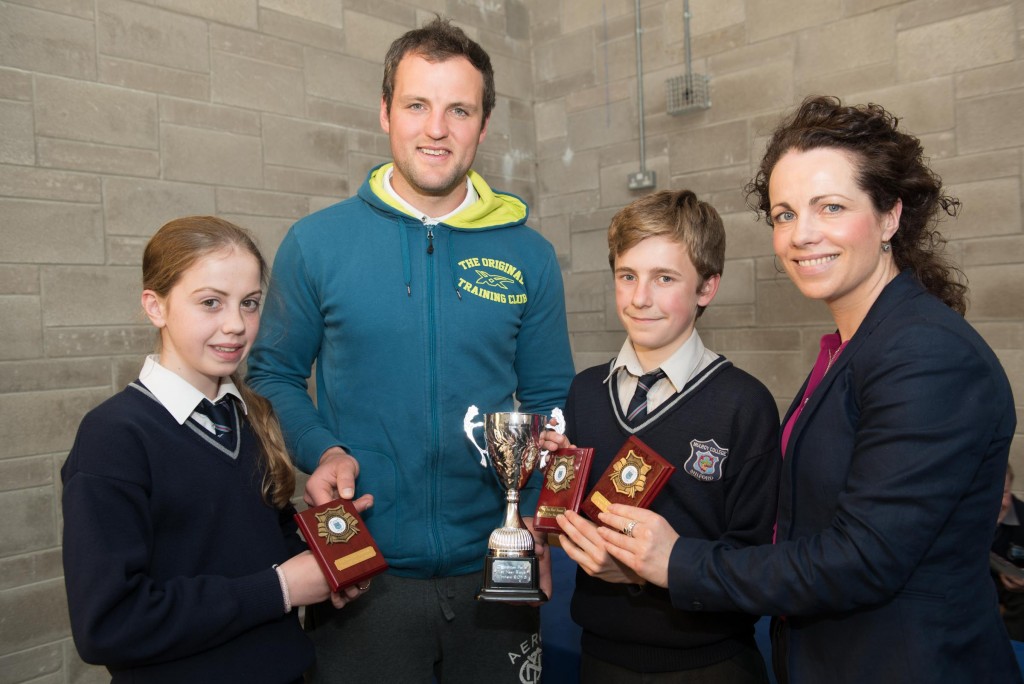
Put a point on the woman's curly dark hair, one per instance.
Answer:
(891, 167)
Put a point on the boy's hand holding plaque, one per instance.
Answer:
(634, 478)
(342, 545)
(565, 480)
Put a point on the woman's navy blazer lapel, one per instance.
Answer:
(902, 288)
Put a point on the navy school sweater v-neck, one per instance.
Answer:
(168, 552)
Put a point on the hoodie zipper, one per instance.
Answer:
(435, 437)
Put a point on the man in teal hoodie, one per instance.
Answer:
(422, 295)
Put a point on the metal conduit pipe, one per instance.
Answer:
(643, 178)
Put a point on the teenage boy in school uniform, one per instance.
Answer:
(717, 424)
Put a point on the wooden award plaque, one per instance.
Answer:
(343, 547)
(565, 480)
(634, 477)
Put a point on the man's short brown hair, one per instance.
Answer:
(436, 42)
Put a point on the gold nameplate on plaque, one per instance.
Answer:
(355, 558)
(597, 498)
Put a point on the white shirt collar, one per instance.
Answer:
(176, 394)
(471, 197)
(691, 357)
(1011, 516)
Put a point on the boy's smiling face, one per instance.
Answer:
(657, 292)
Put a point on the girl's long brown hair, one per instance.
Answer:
(170, 252)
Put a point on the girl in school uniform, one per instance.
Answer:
(181, 558)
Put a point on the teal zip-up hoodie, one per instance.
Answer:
(409, 325)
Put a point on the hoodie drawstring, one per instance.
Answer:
(451, 263)
(403, 238)
(404, 226)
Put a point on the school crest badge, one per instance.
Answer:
(706, 460)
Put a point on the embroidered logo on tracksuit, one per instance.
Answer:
(706, 460)
(492, 279)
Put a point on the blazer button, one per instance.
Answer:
(696, 605)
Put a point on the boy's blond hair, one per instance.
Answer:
(679, 216)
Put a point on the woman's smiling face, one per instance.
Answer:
(826, 231)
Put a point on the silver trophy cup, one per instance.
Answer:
(513, 450)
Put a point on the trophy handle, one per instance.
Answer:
(558, 425)
(468, 425)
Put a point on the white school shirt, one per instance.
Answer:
(178, 396)
(686, 362)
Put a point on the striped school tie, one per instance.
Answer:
(638, 404)
(223, 418)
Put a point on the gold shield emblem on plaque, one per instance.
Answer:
(629, 474)
(336, 525)
(561, 473)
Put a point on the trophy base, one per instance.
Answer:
(511, 580)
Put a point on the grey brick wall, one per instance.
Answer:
(116, 116)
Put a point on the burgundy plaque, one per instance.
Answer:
(634, 477)
(343, 547)
(565, 480)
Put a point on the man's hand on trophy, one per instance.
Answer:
(334, 478)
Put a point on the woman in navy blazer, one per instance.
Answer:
(896, 446)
